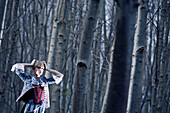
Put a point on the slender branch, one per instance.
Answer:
(11, 48)
(16, 19)
(154, 14)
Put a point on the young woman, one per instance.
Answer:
(35, 92)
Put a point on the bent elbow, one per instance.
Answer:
(62, 75)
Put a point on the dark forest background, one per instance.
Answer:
(114, 53)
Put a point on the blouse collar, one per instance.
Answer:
(36, 81)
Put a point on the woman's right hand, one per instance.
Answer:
(33, 62)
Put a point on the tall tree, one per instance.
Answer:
(113, 22)
(51, 59)
(41, 31)
(103, 110)
(156, 74)
(12, 51)
(121, 67)
(95, 105)
(4, 46)
(81, 76)
(2, 14)
(137, 59)
(55, 104)
(162, 28)
(2, 8)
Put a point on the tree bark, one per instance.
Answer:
(162, 55)
(59, 56)
(103, 110)
(95, 104)
(3, 7)
(4, 58)
(51, 59)
(137, 60)
(81, 76)
(41, 31)
(155, 81)
(71, 55)
(121, 67)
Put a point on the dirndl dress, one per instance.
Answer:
(34, 101)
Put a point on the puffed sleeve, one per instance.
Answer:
(19, 70)
(54, 79)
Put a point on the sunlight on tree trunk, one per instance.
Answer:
(137, 60)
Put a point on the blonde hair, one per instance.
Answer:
(38, 64)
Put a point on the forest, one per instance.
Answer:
(114, 54)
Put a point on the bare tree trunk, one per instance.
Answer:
(167, 63)
(81, 76)
(165, 70)
(162, 62)
(4, 58)
(66, 40)
(70, 63)
(155, 81)
(103, 110)
(91, 80)
(50, 61)
(3, 46)
(33, 30)
(36, 37)
(97, 43)
(3, 10)
(94, 91)
(12, 55)
(119, 85)
(108, 54)
(150, 64)
(60, 56)
(41, 30)
(137, 60)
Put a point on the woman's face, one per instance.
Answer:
(39, 71)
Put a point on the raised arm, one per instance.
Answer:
(28, 64)
(18, 68)
(54, 72)
(57, 76)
